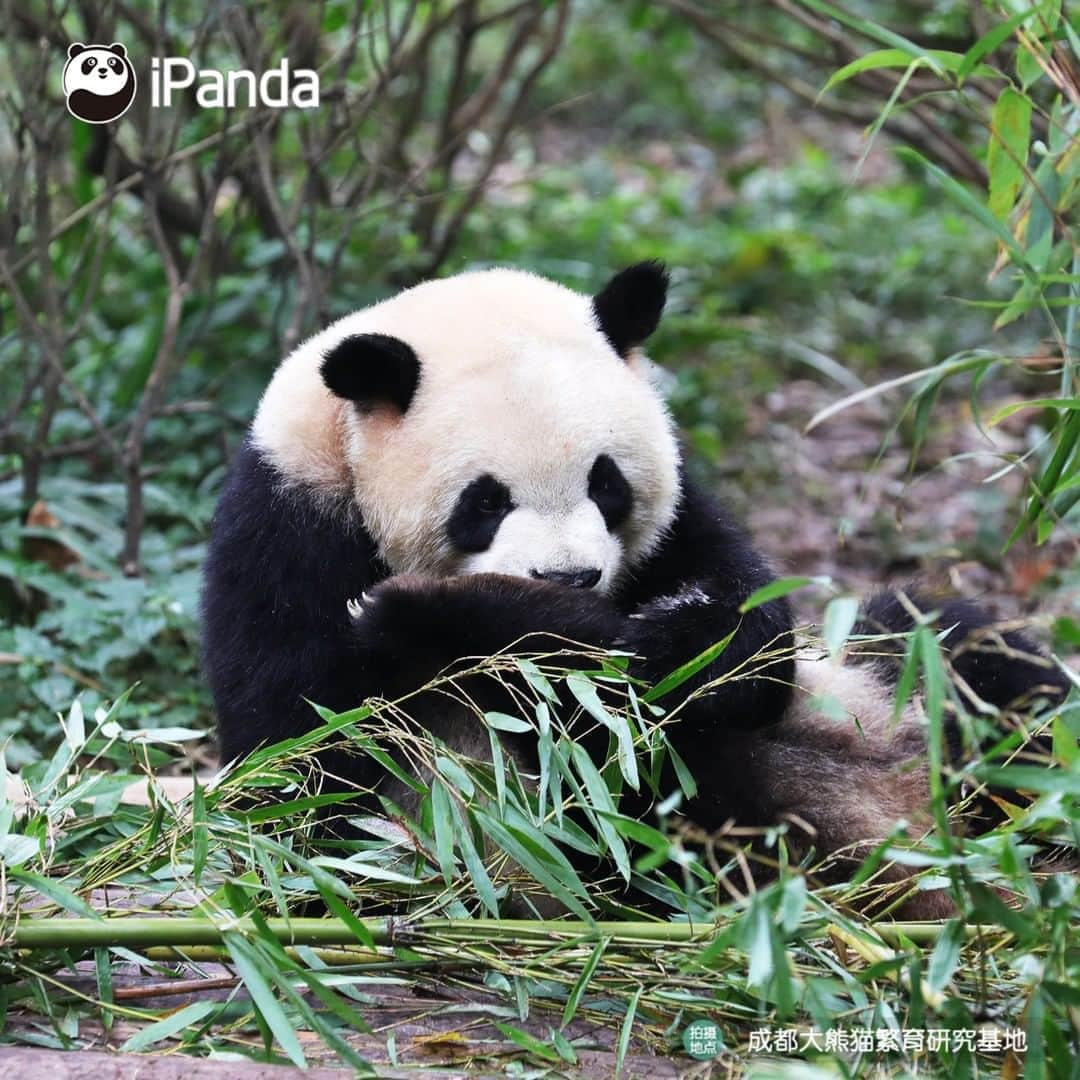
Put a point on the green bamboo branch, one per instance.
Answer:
(191, 931)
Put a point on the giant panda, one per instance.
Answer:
(485, 460)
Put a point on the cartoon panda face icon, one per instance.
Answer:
(99, 82)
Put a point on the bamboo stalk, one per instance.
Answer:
(139, 932)
(873, 953)
(920, 933)
(186, 930)
(340, 956)
(193, 931)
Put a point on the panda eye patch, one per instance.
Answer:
(611, 492)
(115, 64)
(478, 513)
(88, 65)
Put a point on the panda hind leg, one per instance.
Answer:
(997, 664)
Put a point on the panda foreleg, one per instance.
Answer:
(408, 629)
(747, 686)
(686, 598)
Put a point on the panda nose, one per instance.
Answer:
(575, 579)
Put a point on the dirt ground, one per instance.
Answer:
(832, 511)
(437, 1031)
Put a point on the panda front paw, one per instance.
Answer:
(393, 604)
(393, 635)
(420, 607)
(359, 606)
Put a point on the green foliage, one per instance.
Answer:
(94, 631)
(1033, 191)
(240, 856)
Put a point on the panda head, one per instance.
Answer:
(493, 422)
(99, 82)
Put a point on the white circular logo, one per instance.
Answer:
(99, 82)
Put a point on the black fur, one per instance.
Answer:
(275, 629)
(478, 513)
(371, 370)
(608, 488)
(629, 306)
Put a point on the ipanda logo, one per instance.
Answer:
(99, 84)
(275, 88)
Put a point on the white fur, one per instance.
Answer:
(517, 381)
(854, 773)
(103, 78)
(689, 597)
(571, 537)
(866, 702)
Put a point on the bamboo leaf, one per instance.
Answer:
(840, 616)
(601, 799)
(57, 893)
(357, 865)
(873, 31)
(478, 874)
(103, 975)
(582, 982)
(502, 722)
(990, 41)
(777, 589)
(335, 894)
(625, 1031)
(537, 680)
(1064, 742)
(200, 837)
(498, 766)
(687, 671)
(456, 775)
(273, 880)
(757, 941)
(1068, 443)
(1032, 778)
(529, 1042)
(247, 962)
(946, 955)
(909, 677)
(893, 58)
(1007, 150)
(536, 855)
(964, 198)
(1033, 403)
(171, 1025)
(291, 809)
(682, 773)
(586, 693)
(282, 969)
(442, 821)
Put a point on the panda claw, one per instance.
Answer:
(355, 609)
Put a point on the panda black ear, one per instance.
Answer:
(629, 306)
(371, 370)
(119, 49)
(75, 48)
